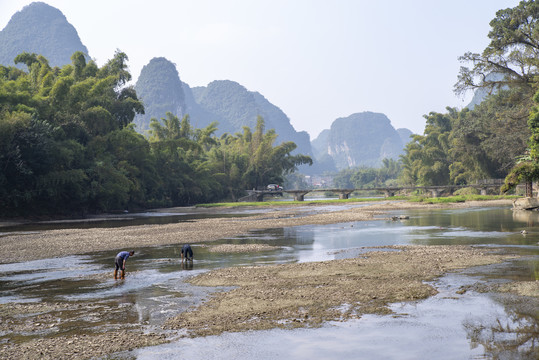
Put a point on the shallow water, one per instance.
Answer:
(439, 327)
(430, 329)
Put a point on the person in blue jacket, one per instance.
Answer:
(119, 262)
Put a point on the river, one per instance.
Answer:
(450, 325)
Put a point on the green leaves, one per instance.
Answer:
(67, 144)
(513, 51)
(427, 159)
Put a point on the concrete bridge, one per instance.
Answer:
(435, 191)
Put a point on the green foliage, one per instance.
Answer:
(486, 141)
(364, 177)
(527, 168)
(68, 145)
(524, 172)
(250, 160)
(427, 200)
(427, 157)
(512, 51)
(533, 124)
(463, 147)
(457, 198)
(50, 122)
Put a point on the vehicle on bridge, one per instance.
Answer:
(274, 187)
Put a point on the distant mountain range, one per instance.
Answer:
(224, 101)
(362, 139)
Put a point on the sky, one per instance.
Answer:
(317, 60)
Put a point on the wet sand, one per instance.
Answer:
(287, 296)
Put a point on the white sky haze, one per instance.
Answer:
(316, 60)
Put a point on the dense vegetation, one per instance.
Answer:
(365, 177)
(461, 147)
(68, 145)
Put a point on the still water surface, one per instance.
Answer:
(446, 326)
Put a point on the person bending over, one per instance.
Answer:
(187, 252)
(119, 262)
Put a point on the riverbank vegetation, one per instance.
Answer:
(488, 140)
(68, 146)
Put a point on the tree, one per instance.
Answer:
(486, 141)
(48, 116)
(513, 52)
(179, 151)
(527, 169)
(427, 159)
(68, 145)
(268, 163)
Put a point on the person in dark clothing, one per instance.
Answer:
(119, 262)
(187, 252)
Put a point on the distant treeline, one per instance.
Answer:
(68, 146)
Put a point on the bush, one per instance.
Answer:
(466, 191)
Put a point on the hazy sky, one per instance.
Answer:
(316, 60)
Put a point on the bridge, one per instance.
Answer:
(388, 191)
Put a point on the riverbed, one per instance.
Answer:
(70, 307)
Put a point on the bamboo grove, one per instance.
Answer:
(68, 146)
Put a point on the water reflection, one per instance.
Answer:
(516, 337)
(187, 265)
(530, 218)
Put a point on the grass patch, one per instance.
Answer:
(458, 198)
